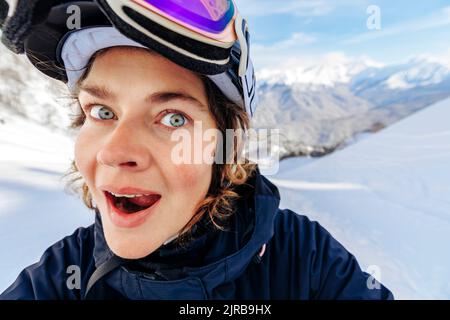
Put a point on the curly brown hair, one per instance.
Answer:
(219, 202)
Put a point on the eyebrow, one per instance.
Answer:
(159, 97)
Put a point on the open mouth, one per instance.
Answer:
(132, 204)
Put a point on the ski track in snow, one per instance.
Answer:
(305, 185)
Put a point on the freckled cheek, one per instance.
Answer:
(191, 179)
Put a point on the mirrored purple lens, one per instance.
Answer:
(207, 15)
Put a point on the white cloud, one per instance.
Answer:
(440, 58)
(297, 39)
(435, 20)
(327, 69)
(445, 58)
(284, 62)
(333, 58)
(270, 54)
(295, 7)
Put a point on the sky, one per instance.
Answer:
(310, 29)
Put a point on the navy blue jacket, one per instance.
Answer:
(267, 253)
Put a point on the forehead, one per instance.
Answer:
(137, 70)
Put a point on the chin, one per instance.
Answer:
(129, 249)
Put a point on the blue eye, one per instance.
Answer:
(173, 119)
(101, 112)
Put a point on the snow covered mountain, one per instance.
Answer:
(321, 107)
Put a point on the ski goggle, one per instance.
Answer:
(199, 34)
(208, 17)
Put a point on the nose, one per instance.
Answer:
(126, 149)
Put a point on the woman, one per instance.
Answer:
(165, 229)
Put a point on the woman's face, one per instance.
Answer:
(134, 100)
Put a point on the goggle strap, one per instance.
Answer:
(245, 71)
(249, 90)
(241, 29)
(12, 6)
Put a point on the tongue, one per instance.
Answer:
(145, 201)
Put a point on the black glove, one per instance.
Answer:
(4, 7)
(28, 13)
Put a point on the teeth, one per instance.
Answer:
(128, 195)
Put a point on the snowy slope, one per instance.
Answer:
(35, 212)
(386, 198)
